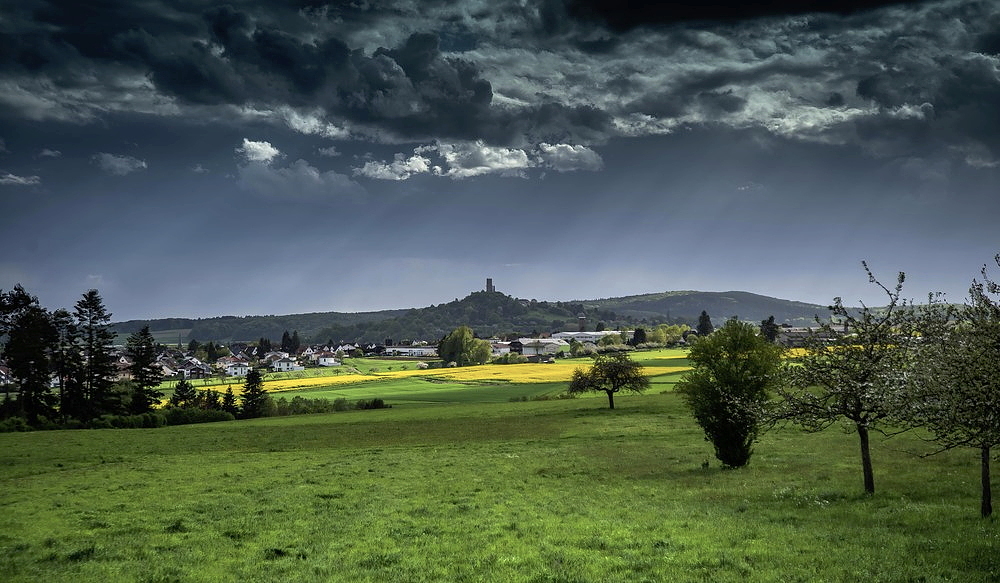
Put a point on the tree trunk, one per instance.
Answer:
(611, 399)
(866, 459)
(986, 503)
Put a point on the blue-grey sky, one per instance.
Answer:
(284, 157)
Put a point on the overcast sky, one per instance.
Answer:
(286, 157)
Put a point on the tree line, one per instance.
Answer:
(65, 368)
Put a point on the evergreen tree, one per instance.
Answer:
(769, 329)
(705, 326)
(184, 395)
(638, 337)
(193, 346)
(211, 399)
(229, 402)
(286, 342)
(11, 304)
(31, 337)
(255, 398)
(140, 347)
(264, 346)
(97, 373)
(66, 365)
(212, 352)
(296, 342)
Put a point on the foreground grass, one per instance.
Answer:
(536, 491)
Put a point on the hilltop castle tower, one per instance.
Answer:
(489, 285)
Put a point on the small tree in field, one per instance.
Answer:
(953, 389)
(852, 376)
(611, 373)
(727, 388)
(463, 348)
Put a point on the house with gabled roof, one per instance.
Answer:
(237, 369)
(286, 365)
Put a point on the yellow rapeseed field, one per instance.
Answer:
(511, 373)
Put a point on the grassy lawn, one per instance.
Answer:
(561, 490)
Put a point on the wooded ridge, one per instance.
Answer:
(489, 314)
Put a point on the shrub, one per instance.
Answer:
(510, 358)
(186, 416)
(375, 403)
(14, 424)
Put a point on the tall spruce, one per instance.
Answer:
(31, 338)
(769, 329)
(12, 303)
(98, 372)
(66, 364)
(140, 347)
(255, 398)
(705, 326)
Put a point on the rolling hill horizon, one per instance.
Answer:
(489, 314)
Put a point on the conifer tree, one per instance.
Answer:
(146, 375)
(229, 402)
(184, 395)
(97, 373)
(66, 365)
(31, 337)
(255, 398)
(211, 400)
(705, 326)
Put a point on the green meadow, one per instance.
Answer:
(556, 490)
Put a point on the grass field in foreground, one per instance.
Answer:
(531, 491)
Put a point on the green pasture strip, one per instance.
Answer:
(419, 390)
(531, 491)
(363, 366)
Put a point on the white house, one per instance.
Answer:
(590, 336)
(237, 369)
(285, 365)
(540, 346)
(327, 359)
(416, 351)
(500, 348)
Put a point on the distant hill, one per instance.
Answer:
(720, 306)
(488, 314)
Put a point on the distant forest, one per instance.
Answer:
(488, 314)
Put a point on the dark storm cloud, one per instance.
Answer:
(622, 17)
(513, 74)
